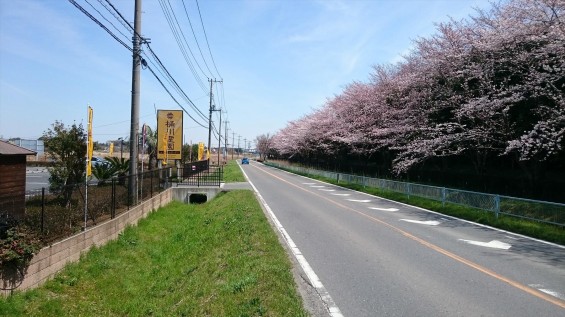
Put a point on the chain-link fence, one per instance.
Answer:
(541, 211)
(62, 212)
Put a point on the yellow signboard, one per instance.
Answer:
(169, 134)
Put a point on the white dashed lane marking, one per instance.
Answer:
(360, 200)
(427, 223)
(384, 209)
(494, 244)
(541, 288)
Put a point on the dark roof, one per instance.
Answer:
(11, 149)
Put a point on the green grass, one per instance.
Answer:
(216, 259)
(232, 172)
(532, 229)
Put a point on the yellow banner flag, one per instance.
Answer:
(165, 145)
(90, 143)
(200, 150)
(111, 151)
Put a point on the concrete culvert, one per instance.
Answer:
(197, 198)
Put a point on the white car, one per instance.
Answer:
(98, 161)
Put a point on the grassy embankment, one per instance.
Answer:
(216, 259)
(532, 229)
(232, 172)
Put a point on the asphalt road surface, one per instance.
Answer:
(36, 178)
(367, 256)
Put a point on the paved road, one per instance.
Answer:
(374, 257)
(36, 178)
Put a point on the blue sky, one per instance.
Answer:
(278, 59)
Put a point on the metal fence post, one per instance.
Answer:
(167, 178)
(496, 205)
(113, 214)
(129, 195)
(443, 196)
(408, 189)
(42, 208)
(151, 177)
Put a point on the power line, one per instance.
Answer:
(171, 77)
(196, 40)
(131, 30)
(164, 87)
(78, 6)
(170, 16)
(160, 65)
(112, 24)
(206, 37)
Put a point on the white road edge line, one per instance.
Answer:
(314, 279)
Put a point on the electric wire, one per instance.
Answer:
(195, 39)
(171, 95)
(112, 24)
(185, 41)
(78, 6)
(177, 33)
(176, 84)
(131, 29)
(206, 37)
(161, 67)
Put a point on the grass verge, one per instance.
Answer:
(232, 172)
(216, 259)
(532, 229)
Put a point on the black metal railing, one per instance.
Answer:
(57, 214)
(197, 175)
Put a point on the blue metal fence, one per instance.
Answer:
(541, 211)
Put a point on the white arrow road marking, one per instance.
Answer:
(309, 183)
(341, 194)
(317, 186)
(495, 244)
(384, 209)
(326, 190)
(360, 200)
(428, 222)
(547, 291)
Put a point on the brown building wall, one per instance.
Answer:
(12, 185)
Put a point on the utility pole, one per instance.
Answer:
(226, 139)
(232, 144)
(244, 145)
(219, 137)
(212, 108)
(135, 90)
(238, 139)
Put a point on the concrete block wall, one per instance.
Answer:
(53, 258)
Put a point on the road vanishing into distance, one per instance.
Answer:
(368, 256)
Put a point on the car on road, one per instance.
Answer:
(245, 160)
(98, 161)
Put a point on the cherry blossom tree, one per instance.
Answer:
(492, 86)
